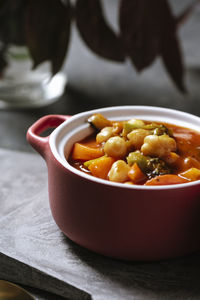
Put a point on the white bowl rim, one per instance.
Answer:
(64, 162)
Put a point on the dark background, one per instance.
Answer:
(94, 82)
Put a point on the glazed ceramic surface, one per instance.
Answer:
(116, 220)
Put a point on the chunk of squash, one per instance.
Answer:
(135, 174)
(100, 167)
(166, 179)
(84, 152)
(191, 174)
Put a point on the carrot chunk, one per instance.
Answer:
(135, 174)
(85, 152)
(166, 179)
(191, 174)
(101, 166)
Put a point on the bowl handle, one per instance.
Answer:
(38, 142)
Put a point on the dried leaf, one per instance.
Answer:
(170, 48)
(95, 31)
(12, 15)
(38, 34)
(148, 29)
(138, 21)
(171, 56)
(62, 39)
(47, 31)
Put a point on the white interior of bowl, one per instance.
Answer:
(76, 128)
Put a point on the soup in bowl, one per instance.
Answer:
(151, 211)
(138, 152)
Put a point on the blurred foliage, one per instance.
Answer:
(147, 29)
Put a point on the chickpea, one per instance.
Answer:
(115, 147)
(136, 137)
(131, 125)
(135, 123)
(119, 171)
(117, 127)
(158, 145)
(104, 134)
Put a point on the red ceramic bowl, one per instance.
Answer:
(116, 220)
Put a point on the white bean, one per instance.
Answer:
(115, 147)
(136, 137)
(158, 146)
(104, 134)
(119, 171)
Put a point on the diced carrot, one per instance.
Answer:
(135, 174)
(191, 174)
(101, 166)
(84, 152)
(166, 179)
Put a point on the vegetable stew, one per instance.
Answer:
(138, 152)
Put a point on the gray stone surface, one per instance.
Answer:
(34, 252)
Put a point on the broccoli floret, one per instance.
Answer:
(156, 166)
(150, 166)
